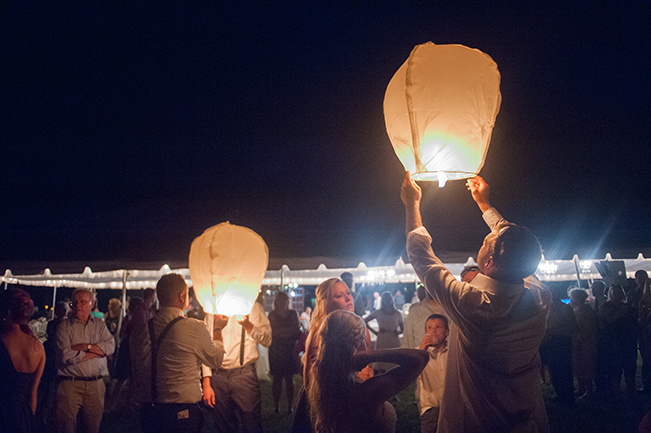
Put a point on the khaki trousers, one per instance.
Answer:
(75, 395)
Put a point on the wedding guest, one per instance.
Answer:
(22, 359)
(283, 364)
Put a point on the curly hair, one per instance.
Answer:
(334, 376)
(16, 307)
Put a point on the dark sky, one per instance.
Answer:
(129, 128)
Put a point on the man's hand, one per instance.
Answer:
(208, 393)
(246, 324)
(480, 192)
(410, 192)
(220, 321)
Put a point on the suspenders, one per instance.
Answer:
(155, 344)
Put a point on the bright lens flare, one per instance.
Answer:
(442, 179)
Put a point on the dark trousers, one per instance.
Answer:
(556, 353)
(237, 399)
(171, 417)
(429, 420)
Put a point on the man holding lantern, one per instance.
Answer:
(492, 379)
(170, 349)
(234, 389)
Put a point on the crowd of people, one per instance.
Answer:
(477, 349)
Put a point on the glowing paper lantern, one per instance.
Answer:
(227, 265)
(440, 109)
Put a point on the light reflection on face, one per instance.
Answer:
(342, 298)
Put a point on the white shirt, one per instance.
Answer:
(431, 382)
(493, 374)
(182, 351)
(232, 334)
(72, 331)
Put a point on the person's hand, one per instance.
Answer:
(219, 321)
(246, 324)
(410, 192)
(208, 393)
(429, 340)
(480, 192)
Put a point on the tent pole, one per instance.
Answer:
(281, 278)
(54, 301)
(125, 274)
(575, 259)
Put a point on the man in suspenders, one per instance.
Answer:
(167, 355)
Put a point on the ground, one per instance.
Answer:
(587, 416)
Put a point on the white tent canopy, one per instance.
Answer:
(400, 272)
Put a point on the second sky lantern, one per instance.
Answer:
(440, 109)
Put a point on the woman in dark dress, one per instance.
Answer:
(22, 359)
(283, 365)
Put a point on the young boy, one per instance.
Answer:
(431, 382)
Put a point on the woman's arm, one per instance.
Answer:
(368, 319)
(378, 389)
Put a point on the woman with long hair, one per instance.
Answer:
(390, 324)
(339, 400)
(331, 295)
(283, 364)
(22, 359)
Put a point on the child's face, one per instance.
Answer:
(438, 329)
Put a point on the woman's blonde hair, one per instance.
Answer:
(114, 307)
(323, 303)
(333, 376)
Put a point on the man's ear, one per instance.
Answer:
(489, 267)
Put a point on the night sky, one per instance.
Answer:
(127, 128)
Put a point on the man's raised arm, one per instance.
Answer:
(411, 194)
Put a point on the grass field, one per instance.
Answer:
(585, 417)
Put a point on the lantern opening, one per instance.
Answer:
(442, 179)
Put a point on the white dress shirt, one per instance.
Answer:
(232, 334)
(493, 371)
(431, 382)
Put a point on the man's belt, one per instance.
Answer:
(81, 379)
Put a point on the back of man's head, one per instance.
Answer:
(598, 288)
(517, 253)
(149, 296)
(347, 278)
(169, 287)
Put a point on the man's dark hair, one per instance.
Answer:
(347, 278)
(169, 287)
(438, 316)
(517, 252)
(149, 294)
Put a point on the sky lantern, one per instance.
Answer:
(440, 109)
(227, 265)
